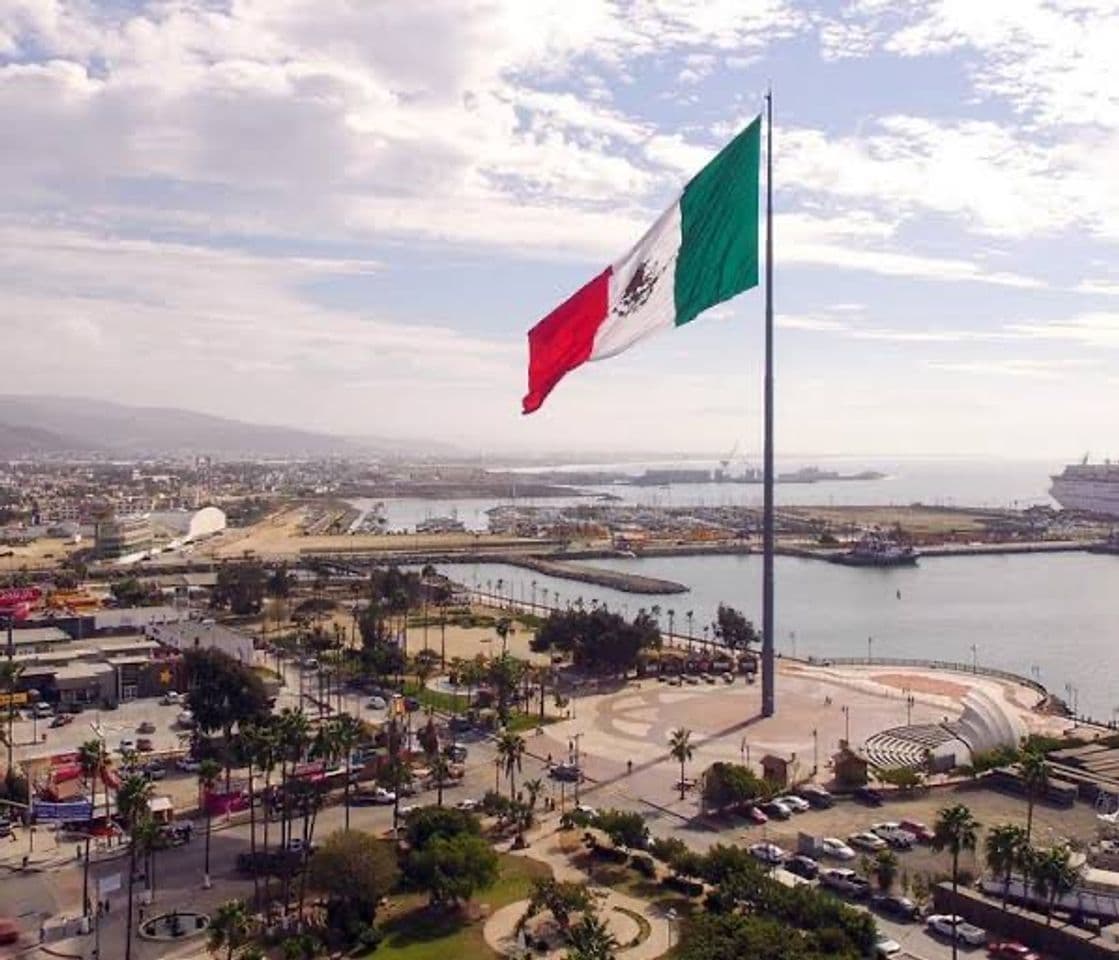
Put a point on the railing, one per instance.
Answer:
(954, 666)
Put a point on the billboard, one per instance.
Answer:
(18, 596)
(77, 810)
(13, 699)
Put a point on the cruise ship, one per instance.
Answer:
(1088, 487)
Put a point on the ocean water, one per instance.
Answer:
(935, 482)
(1052, 616)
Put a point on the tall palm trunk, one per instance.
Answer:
(206, 865)
(955, 892)
(267, 818)
(131, 886)
(346, 791)
(252, 839)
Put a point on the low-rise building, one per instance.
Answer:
(119, 536)
(203, 635)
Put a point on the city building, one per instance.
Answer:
(119, 536)
(202, 635)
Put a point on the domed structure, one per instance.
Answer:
(205, 523)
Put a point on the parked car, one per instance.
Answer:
(803, 866)
(691, 679)
(756, 814)
(62, 720)
(146, 727)
(920, 830)
(9, 932)
(867, 841)
(467, 805)
(768, 853)
(845, 882)
(127, 745)
(459, 724)
(185, 720)
(456, 752)
(177, 834)
(589, 812)
(42, 710)
(869, 796)
(376, 703)
(776, 810)
(155, 770)
(817, 796)
(885, 947)
(171, 697)
(383, 796)
(954, 927)
(1011, 950)
(836, 849)
(902, 908)
(411, 704)
(188, 765)
(144, 744)
(707, 678)
(894, 835)
(795, 803)
(5, 828)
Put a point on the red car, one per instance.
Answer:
(918, 829)
(1011, 950)
(758, 816)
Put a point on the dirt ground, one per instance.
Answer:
(1052, 825)
(279, 536)
(915, 520)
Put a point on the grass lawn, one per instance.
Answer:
(412, 932)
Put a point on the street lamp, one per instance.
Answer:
(670, 916)
(974, 658)
(869, 649)
(846, 724)
(815, 750)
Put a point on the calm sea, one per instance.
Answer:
(1049, 615)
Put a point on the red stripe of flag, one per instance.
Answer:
(564, 339)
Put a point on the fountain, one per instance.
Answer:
(176, 925)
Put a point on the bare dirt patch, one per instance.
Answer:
(921, 683)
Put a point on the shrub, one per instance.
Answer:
(644, 865)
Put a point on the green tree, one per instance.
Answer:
(240, 586)
(885, 869)
(223, 693)
(425, 824)
(440, 769)
(1004, 848)
(625, 828)
(1034, 769)
(733, 630)
(451, 869)
(680, 748)
(348, 732)
(354, 870)
(504, 627)
(229, 927)
(10, 672)
(955, 831)
(561, 898)
(533, 788)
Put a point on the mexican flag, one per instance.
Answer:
(701, 251)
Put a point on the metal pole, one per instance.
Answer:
(768, 662)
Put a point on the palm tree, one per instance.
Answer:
(10, 673)
(1035, 777)
(250, 748)
(533, 789)
(504, 627)
(1053, 875)
(348, 733)
(955, 830)
(229, 928)
(591, 939)
(133, 802)
(209, 772)
(92, 758)
(671, 621)
(440, 770)
(264, 748)
(510, 751)
(1004, 847)
(680, 747)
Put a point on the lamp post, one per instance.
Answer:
(909, 701)
(869, 649)
(670, 917)
(815, 750)
(974, 658)
(846, 724)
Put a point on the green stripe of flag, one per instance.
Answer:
(719, 228)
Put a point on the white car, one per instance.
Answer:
(171, 697)
(795, 803)
(467, 805)
(376, 703)
(836, 849)
(381, 795)
(127, 745)
(955, 927)
(407, 809)
(768, 853)
(884, 947)
(188, 765)
(867, 841)
(585, 810)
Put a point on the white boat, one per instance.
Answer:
(1088, 487)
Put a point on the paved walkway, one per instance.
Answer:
(499, 931)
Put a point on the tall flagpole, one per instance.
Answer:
(768, 665)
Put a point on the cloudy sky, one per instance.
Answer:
(346, 215)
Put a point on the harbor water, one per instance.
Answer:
(1051, 617)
